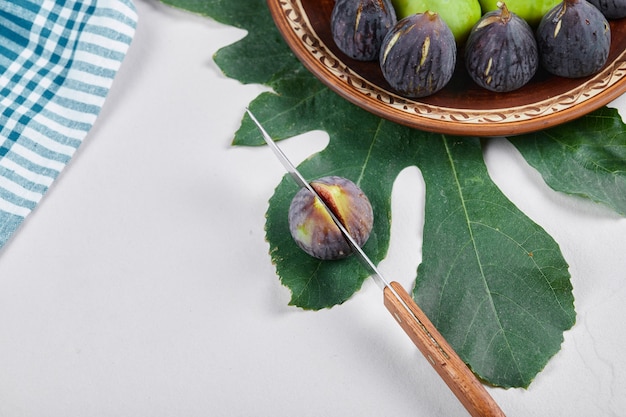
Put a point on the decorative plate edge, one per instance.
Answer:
(293, 12)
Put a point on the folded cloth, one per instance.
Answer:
(58, 59)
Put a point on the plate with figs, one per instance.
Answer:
(409, 70)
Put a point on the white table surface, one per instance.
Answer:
(141, 285)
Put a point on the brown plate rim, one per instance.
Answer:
(592, 93)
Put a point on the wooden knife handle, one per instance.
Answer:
(463, 383)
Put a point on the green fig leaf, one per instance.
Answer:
(492, 281)
(586, 157)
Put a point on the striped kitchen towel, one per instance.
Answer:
(58, 59)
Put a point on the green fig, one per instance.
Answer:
(530, 10)
(459, 15)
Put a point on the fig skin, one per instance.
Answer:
(313, 229)
(611, 9)
(418, 55)
(359, 26)
(573, 39)
(501, 52)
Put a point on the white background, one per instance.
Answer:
(141, 285)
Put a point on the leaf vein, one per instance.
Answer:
(462, 198)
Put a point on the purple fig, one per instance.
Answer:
(573, 39)
(314, 230)
(501, 53)
(359, 26)
(418, 55)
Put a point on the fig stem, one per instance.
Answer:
(505, 14)
(431, 15)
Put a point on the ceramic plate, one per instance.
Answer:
(461, 108)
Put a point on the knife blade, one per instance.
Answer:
(450, 367)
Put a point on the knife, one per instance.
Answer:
(450, 367)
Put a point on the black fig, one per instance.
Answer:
(314, 230)
(359, 26)
(611, 9)
(573, 39)
(418, 55)
(501, 53)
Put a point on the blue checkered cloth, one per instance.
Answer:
(58, 59)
